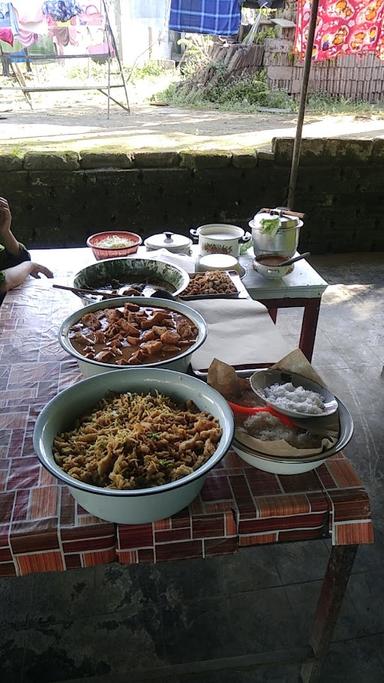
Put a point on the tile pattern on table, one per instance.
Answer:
(42, 528)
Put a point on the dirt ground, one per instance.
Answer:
(79, 121)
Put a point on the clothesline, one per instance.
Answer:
(65, 22)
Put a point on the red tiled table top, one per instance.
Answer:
(42, 528)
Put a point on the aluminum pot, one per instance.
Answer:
(136, 506)
(220, 238)
(91, 367)
(283, 243)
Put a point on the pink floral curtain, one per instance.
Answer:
(344, 27)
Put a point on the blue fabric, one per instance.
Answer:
(8, 17)
(215, 17)
(61, 10)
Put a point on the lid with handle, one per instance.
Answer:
(279, 217)
(169, 240)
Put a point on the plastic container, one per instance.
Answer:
(100, 253)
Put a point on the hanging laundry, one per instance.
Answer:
(29, 11)
(344, 27)
(215, 17)
(61, 10)
(26, 38)
(92, 15)
(31, 19)
(6, 36)
(61, 36)
(6, 15)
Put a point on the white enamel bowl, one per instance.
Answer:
(137, 506)
(261, 379)
(90, 367)
(281, 465)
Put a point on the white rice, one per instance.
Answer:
(267, 427)
(295, 399)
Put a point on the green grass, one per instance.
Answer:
(251, 93)
(246, 94)
(326, 104)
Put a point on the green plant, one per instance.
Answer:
(244, 94)
(148, 70)
(264, 33)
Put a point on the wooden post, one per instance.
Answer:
(331, 597)
(302, 103)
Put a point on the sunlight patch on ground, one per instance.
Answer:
(336, 294)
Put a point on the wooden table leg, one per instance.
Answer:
(309, 327)
(331, 597)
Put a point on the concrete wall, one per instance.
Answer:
(60, 199)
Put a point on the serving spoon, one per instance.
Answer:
(294, 259)
(80, 291)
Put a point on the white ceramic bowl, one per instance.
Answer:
(136, 506)
(281, 465)
(90, 367)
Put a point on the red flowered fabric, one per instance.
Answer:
(344, 27)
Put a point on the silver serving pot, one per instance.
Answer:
(283, 243)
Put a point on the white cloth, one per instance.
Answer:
(181, 260)
(29, 11)
(240, 333)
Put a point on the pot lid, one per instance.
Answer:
(285, 220)
(168, 240)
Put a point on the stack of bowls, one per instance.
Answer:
(279, 464)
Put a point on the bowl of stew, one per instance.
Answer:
(113, 243)
(128, 332)
(134, 446)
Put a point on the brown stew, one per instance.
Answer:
(132, 335)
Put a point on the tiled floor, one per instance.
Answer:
(161, 622)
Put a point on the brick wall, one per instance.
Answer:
(60, 199)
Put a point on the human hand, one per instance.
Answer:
(36, 269)
(5, 217)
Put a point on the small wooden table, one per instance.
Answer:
(303, 288)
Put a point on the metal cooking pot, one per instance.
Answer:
(284, 242)
(220, 238)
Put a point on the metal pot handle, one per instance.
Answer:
(194, 234)
(245, 238)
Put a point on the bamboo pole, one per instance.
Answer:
(302, 103)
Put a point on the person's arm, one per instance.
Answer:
(7, 237)
(17, 274)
